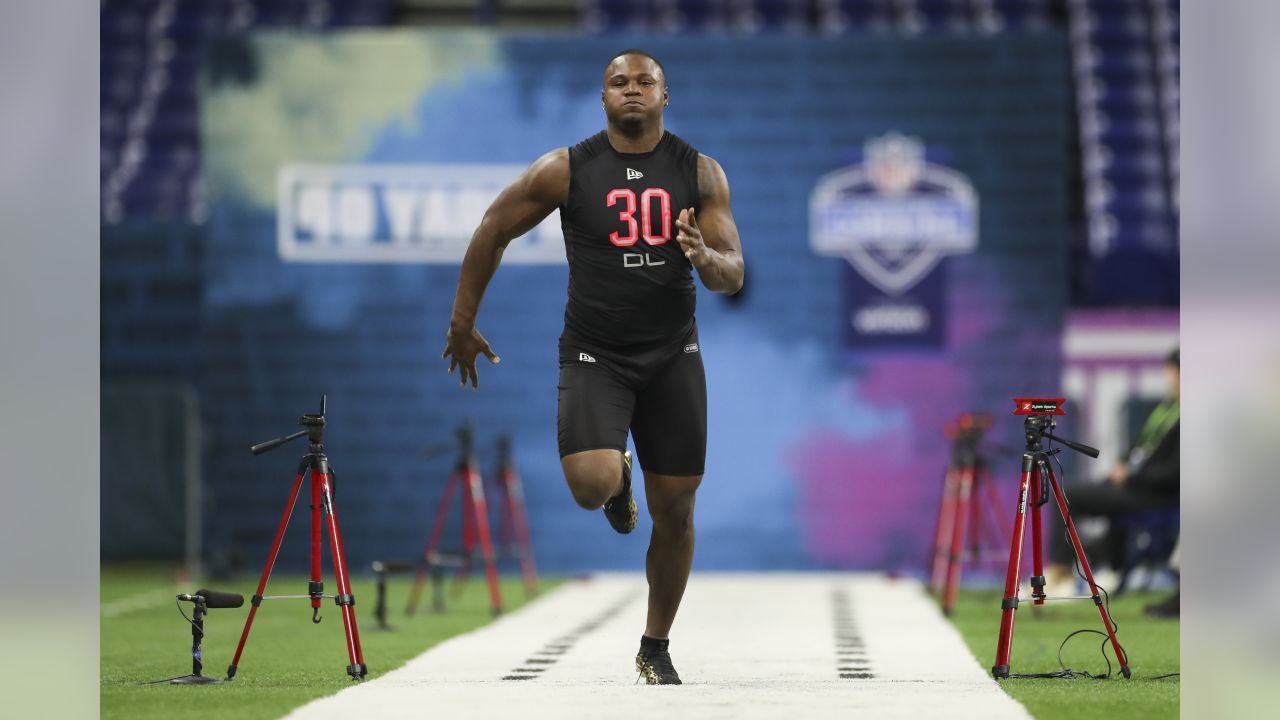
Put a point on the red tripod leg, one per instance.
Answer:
(964, 491)
(433, 541)
(1037, 541)
(506, 521)
(974, 532)
(1061, 499)
(942, 536)
(345, 599)
(486, 543)
(1009, 605)
(993, 502)
(468, 532)
(266, 571)
(520, 525)
(995, 526)
(316, 587)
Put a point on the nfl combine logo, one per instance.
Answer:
(894, 216)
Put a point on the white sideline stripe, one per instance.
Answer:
(133, 603)
(747, 645)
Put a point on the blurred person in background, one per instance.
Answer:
(1171, 606)
(1146, 479)
(629, 354)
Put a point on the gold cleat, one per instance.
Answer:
(656, 668)
(620, 510)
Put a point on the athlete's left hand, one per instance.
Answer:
(690, 237)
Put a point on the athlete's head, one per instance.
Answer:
(635, 88)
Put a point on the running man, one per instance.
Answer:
(640, 210)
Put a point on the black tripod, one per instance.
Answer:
(322, 479)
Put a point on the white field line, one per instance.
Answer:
(139, 601)
(749, 646)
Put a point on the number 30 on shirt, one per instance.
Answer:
(644, 228)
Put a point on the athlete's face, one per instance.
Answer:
(635, 90)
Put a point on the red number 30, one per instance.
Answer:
(646, 216)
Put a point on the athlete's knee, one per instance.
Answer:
(589, 494)
(674, 518)
(674, 525)
(593, 476)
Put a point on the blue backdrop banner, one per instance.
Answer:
(902, 204)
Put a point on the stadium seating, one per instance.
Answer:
(151, 53)
(1124, 55)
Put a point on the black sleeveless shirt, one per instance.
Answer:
(629, 281)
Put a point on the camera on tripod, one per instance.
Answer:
(1040, 414)
(1037, 487)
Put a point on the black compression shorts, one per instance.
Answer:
(658, 393)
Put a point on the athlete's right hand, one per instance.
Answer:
(463, 347)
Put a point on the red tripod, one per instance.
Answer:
(1037, 481)
(322, 493)
(968, 493)
(475, 527)
(513, 524)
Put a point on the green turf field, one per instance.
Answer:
(287, 660)
(1152, 647)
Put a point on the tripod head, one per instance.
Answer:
(966, 435)
(466, 437)
(971, 428)
(504, 451)
(1040, 419)
(313, 428)
(464, 444)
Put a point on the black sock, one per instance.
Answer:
(648, 643)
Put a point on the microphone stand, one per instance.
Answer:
(197, 637)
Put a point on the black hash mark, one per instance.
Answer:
(564, 643)
(851, 660)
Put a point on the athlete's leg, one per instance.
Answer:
(593, 414)
(594, 476)
(670, 499)
(670, 432)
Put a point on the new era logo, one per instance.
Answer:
(583, 357)
(634, 174)
(691, 348)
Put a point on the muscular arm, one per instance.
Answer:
(516, 211)
(518, 208)
(719, 259)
